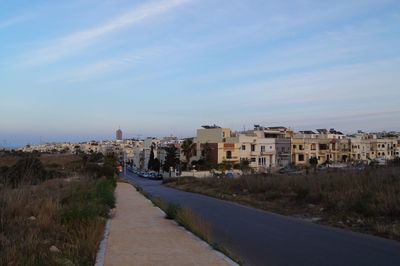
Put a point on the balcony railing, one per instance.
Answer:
(232, 158)
(266, 153)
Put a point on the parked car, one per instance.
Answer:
(232, 175)
(378, 161)
(291, 170)
(158, 176)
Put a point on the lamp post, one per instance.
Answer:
(194, 169)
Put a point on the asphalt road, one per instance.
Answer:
(258, 237)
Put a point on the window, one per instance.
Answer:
(294, 146)
(262, 148)
(301, 157)
(244, 147)
(228, 155)
(253, 159)
(301, 147)
(253, 147)
(223, 134)
(313, 147)
(323, 146)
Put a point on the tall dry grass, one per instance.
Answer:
(31, 221)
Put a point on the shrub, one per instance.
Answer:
(29, 170)
(171, 211)
(88, 202)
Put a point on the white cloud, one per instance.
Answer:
(12, 21)
(78, 41)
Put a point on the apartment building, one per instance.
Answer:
(259, 151)
(325, 145)
(366, 147)
(265, 148)
(213, 144)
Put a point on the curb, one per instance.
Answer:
(101, 253)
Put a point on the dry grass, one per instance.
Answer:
(26, 241)
(194, 223)
(186, 218)
(48, 160)
(59, 159)
(8, 160)
(366, 201)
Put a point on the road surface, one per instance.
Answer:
(258, 237)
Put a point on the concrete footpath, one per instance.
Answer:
(140, 235)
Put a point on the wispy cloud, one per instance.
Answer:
(73, 43)
(104, 67)
(12, 21)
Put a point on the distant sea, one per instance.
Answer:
(11, 147)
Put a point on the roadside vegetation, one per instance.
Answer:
(186, 218)
(366, 201)
(53, 213)
(190, 221)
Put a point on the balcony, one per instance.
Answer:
(230, 159)
(263, 153)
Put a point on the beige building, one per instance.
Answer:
(324, 145)
(265, 148)
(214, 144)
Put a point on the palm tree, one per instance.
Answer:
(188, 148)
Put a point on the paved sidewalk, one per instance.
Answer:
(140, 235)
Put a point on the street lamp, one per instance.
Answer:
(194, 169)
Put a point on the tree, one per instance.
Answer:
(314, 162)
(96, 157)
(224, 166)
(150, 164)
(156, 165)
(206, 152)
(244, 165)
(170, 159)
(188, 149)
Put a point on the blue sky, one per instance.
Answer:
(78, 69)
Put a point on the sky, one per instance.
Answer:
(79, 69)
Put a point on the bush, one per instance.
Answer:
(29, 170)
(89, 202)
(171, 211)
